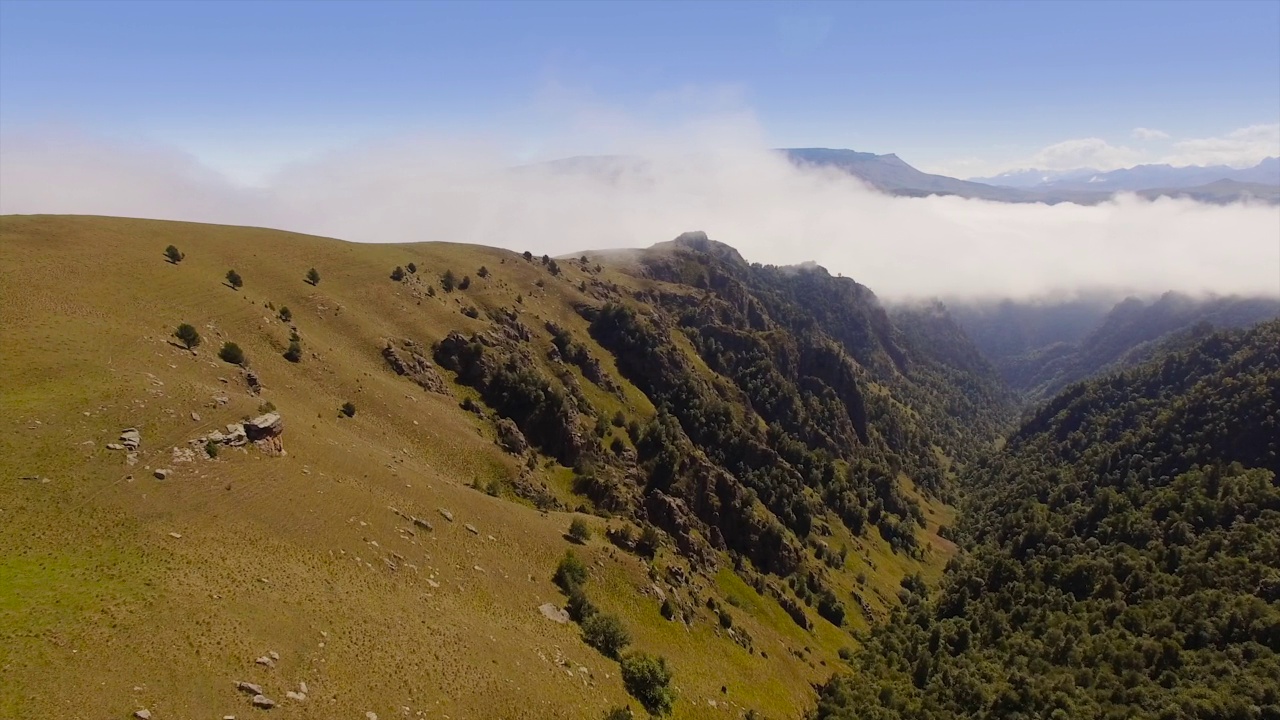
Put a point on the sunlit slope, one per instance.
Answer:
(120, 591)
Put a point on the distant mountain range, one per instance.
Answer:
(1141, 177)
(892, 175)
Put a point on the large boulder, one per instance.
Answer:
(264, 426)
(510, 437)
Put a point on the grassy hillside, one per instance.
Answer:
(121, 591)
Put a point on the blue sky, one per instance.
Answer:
(964, 88)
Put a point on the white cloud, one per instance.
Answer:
(740, 194)
(1241, 148)
(1142, 133)
(1093, 153)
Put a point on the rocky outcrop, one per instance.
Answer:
(510, 437)
(265, 432)
(415, 367)
(671, 514)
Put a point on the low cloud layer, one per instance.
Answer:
(749, 198)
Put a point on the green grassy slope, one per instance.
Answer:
(120, 591)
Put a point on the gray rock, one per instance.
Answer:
(115, 446)
(264, 426)
(302, 688)
(195, 416)
(264, 702)
(446, 514)
(553, 613)
(422, 523)
(248, 687)
(295, 696)
(471, 529)
(130, 438)
(143, 714)
(274, 655)
(265, 661)
(236, 435)
(510, 437)
(161, 473)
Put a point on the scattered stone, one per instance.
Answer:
(115, 446)
(302, 688)
(143, 714)
(248, 687)
(274, 655)
(446, 514)
(251, 378)
(161, 473)
(176, 536)
(221, 399)
(130, 438)
(423, 523)
(471, 529)
(553, 613)
(295, 696)
(195, 416)
(371, 715)
(265, 661)
(264, 702)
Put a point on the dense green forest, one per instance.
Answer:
(1121, 559)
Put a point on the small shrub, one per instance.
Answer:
(294, 353)
(546, 259)
(726, 620)
(650, 541)
(173, 254)
(286, 315)
(211, 448)
(349, 409)
(553, 267)
(413, 269)
(570, 573)
(528, 256)
(580, 606)
(465, 283)
(313, 277)
(188, 335)
(431, 291)
(579, 531)
(397, 274)
(483, 272)
(648, 679)
(619, 713)
(471, 312)
(668, 609)
(232, 353)
(606, 633)
(617, 446)
(520, 299)
(234, 279)
(448, 280)
(267, 407)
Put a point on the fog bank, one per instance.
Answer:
(747, 197)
